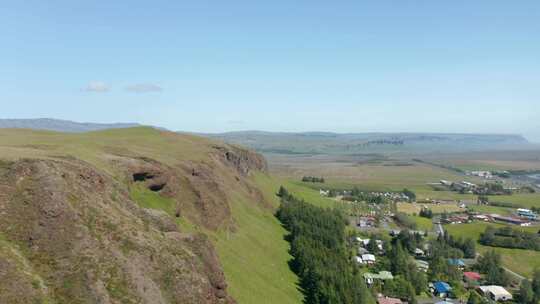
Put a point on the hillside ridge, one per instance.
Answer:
(60, 125)
(84, 222)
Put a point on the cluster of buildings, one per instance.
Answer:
(393, 196)
(364, 257)
(492, 292)
(457, 219)
(523, 217)
(464, 186)
(443, 290)
(366, 221)
(468, 187)
(472, 281)
(483, 174)
(463, 218)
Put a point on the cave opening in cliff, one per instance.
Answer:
(142, 176)
(157, 187)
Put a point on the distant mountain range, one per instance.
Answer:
(351, 143)
(61, 125)
(316, 142)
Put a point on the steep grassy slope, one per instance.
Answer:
(133, 216)
(255, 256)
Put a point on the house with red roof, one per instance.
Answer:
(471, 279)
(471, 276)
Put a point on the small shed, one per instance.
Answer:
(441, 289)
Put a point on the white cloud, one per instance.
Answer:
(97, 86)
(144, 88)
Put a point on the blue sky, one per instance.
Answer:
(213, 66)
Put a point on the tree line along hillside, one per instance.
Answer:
(313, 179)
(321, 260)
(510, 238)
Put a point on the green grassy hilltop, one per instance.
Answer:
(220, 193)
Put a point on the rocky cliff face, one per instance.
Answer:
(71, 233)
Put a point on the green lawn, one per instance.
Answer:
(423, 223)
(492, 209)
(304, 191)
(255, 256)
(524, 199)
(518, 260)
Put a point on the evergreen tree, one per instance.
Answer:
(398, 260)
(417, 278)
(320, 256)
(438, 267)
(526, 293)
(283, 193)
(372, 245)
(536, 285)
(474, 298)
(469, 248)
(490, 264)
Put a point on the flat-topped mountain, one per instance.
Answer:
(348, 143)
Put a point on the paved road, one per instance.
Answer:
(437, 225)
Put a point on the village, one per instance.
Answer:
(373, 262)
(380, 228)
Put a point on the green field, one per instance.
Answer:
(492, 209)
(518, 260)
(309, 194)
(383, 177)
(423, 223)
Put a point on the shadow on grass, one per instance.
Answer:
(294, 266)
